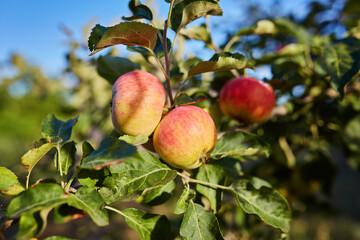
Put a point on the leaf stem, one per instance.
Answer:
(67, 187)
(115, 210)
(187, 178)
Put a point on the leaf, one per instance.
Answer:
(221, 62)
(289, 27)
(92, 178)
(65, 213)
(197, 33)
(58, 238)
(231, 166)
(351, 134)
(137, 173)
(129, 34)
(199, 224)
(96, 34)
(342, 63)
(111, 151)
(9, 183)
(238, 144)
(135, 140)
(182, 204)
(184, 99)
(139, 11)
(212, 174)
(86, 149)
(159, 195)
(189, 10)
(67, 157)
(264, 201)
(28, 227)
(111, 68)
(149, 226)
(89, 200)
(30, 158)
(53, 127)
(41, 196)
(262, 27)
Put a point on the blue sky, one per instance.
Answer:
(32, 27)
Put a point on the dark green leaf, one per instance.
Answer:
(137, 173)
(159, 195)
(182, 204)
(28, 227)
(30, 158)
(86, 149)
(342, 63)
(111, 151)
(43, 195)
(65, 213)
(92, 178)
(89, 200)
(231, 166)
(67, 157)
(96, 34)
(351, 134)
(289, 27)
(264, 201)
(199, 224)
(213, 174)
(189, 10)
(149, 226)
(135, 140)
(238, 144)
(184, 99)
(111, 68)
(197, 33)
(139, 11)
(221, 62)
(9, 183)
(129, 34)
(53, 127)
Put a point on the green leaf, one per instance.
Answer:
(351, 134)
(111, 68)
(36, 198)
(139, 11)
(184, 99)
(159, 195)
(129, 34)
(199, 224)
(182, 204)
(9, 183)
(212, 174)
(67, 157)
(28, 227)
(239, 144)
(53, 127)
(289, 27)
(135, 140)
(221, 62)
(65, 213)
(197, 33)
(89, 200)
(58, 238)
(111, 151)
(262, 27)
(137, 173)
(30, 158)
(92, 178)
(96, 34)
(342, 63)
(86, 149)
(264, 201)
(189, 10)
(231, 166)
(149, 226)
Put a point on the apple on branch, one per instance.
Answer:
(185, 137)
(247, 100)
(137, 104)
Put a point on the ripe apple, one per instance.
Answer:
(247, 99)
(137, 103)
(185, 137)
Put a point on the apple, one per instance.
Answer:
(247, 99)
(185, 137)
(137, 104)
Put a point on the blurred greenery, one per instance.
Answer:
(314, 134)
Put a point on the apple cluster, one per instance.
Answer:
(185, 136)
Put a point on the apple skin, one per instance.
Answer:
(247, 100)
(137, 104)
(185, 137)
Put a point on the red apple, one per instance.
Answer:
(137, 103)
(185, 137)
(247, 99)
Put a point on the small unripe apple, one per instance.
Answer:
(185, 137)
(247, 99)
(137, 104)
